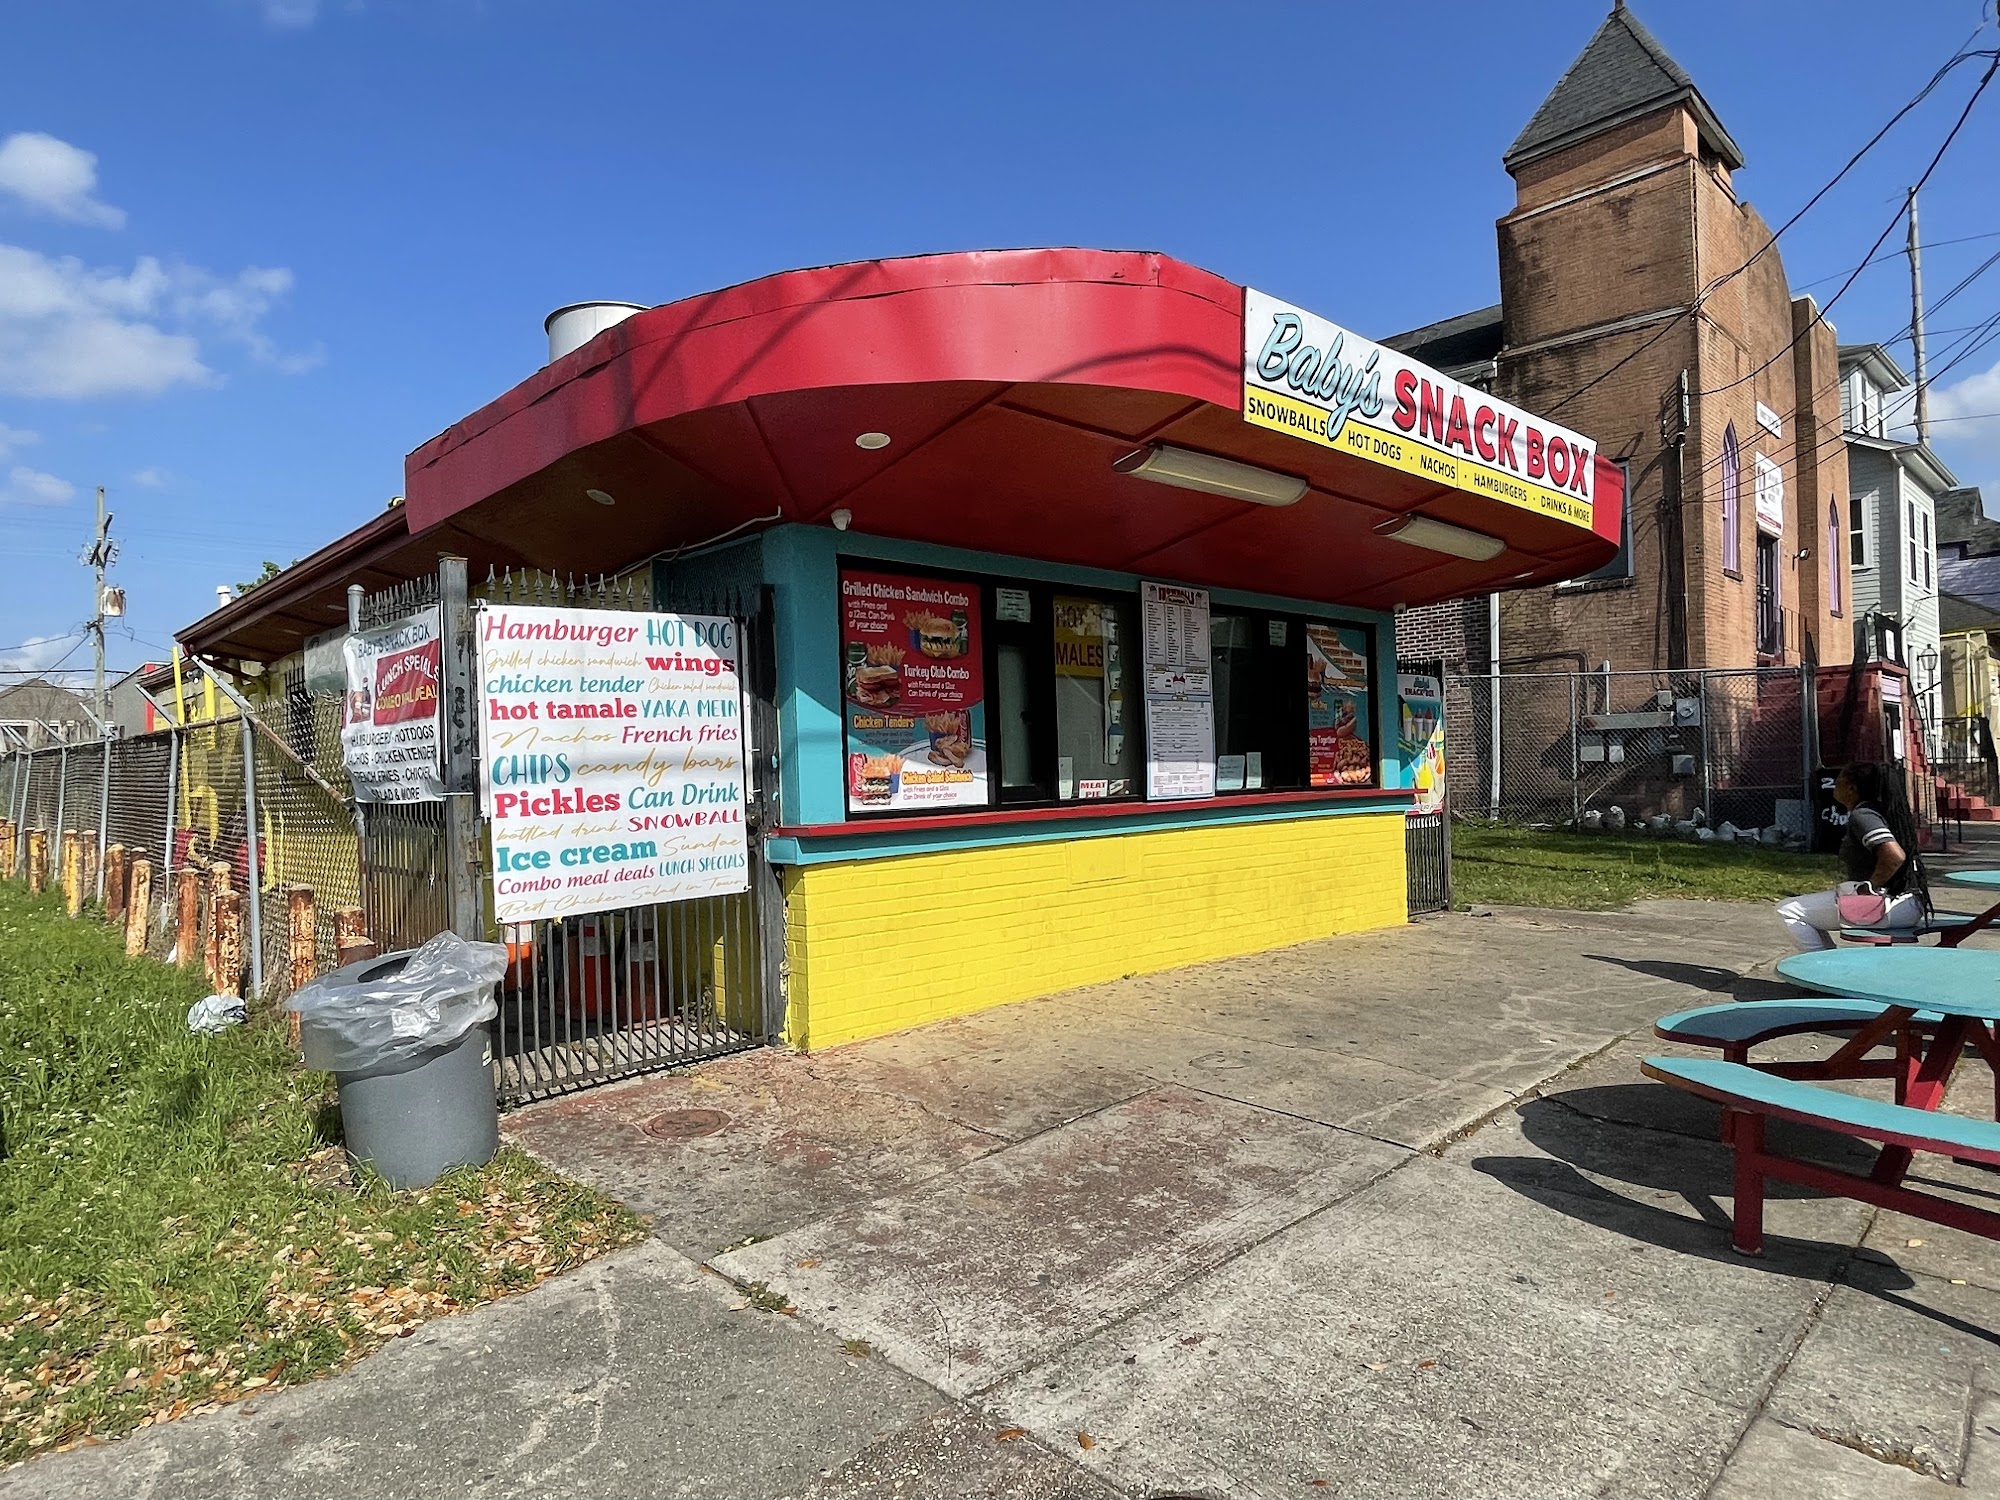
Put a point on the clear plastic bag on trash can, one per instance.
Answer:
(444, 989)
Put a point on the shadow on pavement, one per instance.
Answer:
(1707, 977)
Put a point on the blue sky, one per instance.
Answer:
(252, 252)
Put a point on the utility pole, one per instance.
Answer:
(1916, 251)
(103, 552)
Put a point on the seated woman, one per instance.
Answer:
(1880, 850)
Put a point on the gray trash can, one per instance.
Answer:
(413, 1058)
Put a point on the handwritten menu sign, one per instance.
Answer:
(1337, 707)
(913, 687)
(610, 759)
(1180, 697)
(389, 740)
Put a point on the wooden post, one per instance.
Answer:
(114, 884)
(350, 936)
(72, 872)
(86, 863)
(187, 916)
(229, 943)
(8, 836)
(38, 861)
(139, 905)
(304, 939)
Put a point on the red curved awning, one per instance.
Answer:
(1008, 382)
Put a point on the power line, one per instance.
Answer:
(1936, 78)
(1819, 313)
(1964, 239)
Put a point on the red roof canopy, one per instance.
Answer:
(1008, 382)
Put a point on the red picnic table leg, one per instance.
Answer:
(1925, 1091)
(1979, 923)
(1745, 1131)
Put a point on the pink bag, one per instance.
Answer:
(1861, 905)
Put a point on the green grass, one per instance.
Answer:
(1493, 864)
(176, 1232)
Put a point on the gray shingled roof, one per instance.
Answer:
(1622, 74)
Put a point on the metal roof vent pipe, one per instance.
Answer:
(577, 324)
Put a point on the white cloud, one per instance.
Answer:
(26, 486)
(55, 178)
(290, 14)
(71, 331)
(1965, 429)
(12, 439)
(37, 653)
(152, 479)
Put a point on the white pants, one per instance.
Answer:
(1811, 917)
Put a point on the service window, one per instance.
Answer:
(1097, 739)
(1258, 666)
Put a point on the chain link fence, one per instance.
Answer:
(1734, 746)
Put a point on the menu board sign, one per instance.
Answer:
(913, 689)
(1420, 738)
(1337, 707)
(389, 743)
(610, 759)
(1180, 697)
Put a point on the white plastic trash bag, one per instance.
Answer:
(216, 1014)
(353, 1024)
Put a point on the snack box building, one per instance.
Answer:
(1072, 575)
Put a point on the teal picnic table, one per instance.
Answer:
(1959, 987)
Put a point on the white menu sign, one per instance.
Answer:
(1180, 698)
(389, 743)
(611, 759)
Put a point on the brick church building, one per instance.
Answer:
(1627, 311)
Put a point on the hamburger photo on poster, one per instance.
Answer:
(1337, 726)
(913, 692)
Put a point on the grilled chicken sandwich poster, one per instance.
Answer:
(914, 692)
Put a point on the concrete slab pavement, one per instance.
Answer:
(1387, 1216)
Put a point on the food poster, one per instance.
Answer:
(1180, 699)
(611, 758)
(1420, 738)
(913, 688)
(1090, 701)
(1338, 750)
(389, 737)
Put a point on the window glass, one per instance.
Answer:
(1017, 758)
(1927, 548)
(1833, 555)
(1857, 518)
(1769, 622)
(1097, 754)
(1732, 487)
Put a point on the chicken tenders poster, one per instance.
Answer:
(914, 690)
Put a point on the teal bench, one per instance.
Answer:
(1949, 927)
(1750, 1096)
(1736, 1026)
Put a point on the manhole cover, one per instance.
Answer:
(685, 1124)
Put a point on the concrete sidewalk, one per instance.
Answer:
(1385, 1216)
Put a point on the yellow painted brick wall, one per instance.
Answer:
(879, 945)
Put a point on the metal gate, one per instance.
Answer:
(1427, 836)
(608, 994)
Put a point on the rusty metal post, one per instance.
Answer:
(218, 887)
(114, 883)
(253, 893)
(350, 936)
(139, 907)
(458, 731)
(103, 808)
(71, 871)
(229, 943)
(187, 916)
(38, 861)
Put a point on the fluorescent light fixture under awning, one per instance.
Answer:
(1442, 536)
(1189, 470)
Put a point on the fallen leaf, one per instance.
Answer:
(1008, 1434)
(1085, 1440)
(808, 1264)
(1427, 1364)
